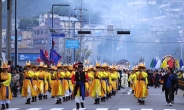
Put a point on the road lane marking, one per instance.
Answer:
(57, 109)
(80, 108)
(146, 109)
(169, 109)
(102, 109)
(13, 109)
(124, 108)
(34, 109)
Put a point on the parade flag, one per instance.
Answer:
(158, 64)
(43, 57)
(181, 63)
(46, 54)
(54, 56)
(164, 64)
(177, 64)
(152, 63)
(38, 60)
(170, 63)
(155, 62)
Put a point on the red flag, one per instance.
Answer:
(170, 63)
(46, 54)
(38, 60)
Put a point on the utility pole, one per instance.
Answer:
(16, 40)
(8, 30)
(1, 1)
(81, 15)
(49, 44)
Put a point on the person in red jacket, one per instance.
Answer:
(79, 79)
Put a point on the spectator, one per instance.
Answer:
(15, 85)
(168, 86)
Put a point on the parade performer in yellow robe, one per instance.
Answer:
(27, 87)
(71, 86)
(52, 81)
(141, 84)
(79, 79)
(104, 80)
(131, 79)
(58, 86)
(41, 80)
(114, 79)
(34, 83)
(68, 83)
(46, 81)
(5, 91)
(95, 88)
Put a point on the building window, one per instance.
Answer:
(38, 41)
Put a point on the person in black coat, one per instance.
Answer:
(168, 86)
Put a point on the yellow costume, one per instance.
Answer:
(5, 91)
(141, 85)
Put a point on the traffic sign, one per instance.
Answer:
(72, 44)
(57, 35)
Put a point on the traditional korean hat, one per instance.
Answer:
(59, 65)
(45, 66)
(70, 67)
(41, 65)
(28, 64)
(52, 67)
(98, 64)
(141, 65)
(5, 65)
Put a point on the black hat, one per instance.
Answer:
(80, 65)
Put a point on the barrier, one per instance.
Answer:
(181, 83)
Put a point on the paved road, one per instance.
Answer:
(122, 101)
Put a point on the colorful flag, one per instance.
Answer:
(181, 63)
(54, 56)
(38, 60)
(170, 63)
(152, 63)
(155, 62)
(43, 57)
(158, 64)
(46, 54)
(177, 64)
(164, 64)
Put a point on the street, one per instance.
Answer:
(122, 101)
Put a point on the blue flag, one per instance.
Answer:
(43, 57)
(155, 62)
(181, 63)
(54, 56)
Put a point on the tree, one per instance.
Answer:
(25, 22)
(85, 54)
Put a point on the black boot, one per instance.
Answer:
(7, 105)
(77, 106)
(60, 101)
(3, 107)
(45, 96)
(101, 99)
(28, 101)
(33, 100)
(98, 100)
(82, 104)
(57, 102)
(95, 101)
(104, 99)
(40, 97)
(64, 99)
